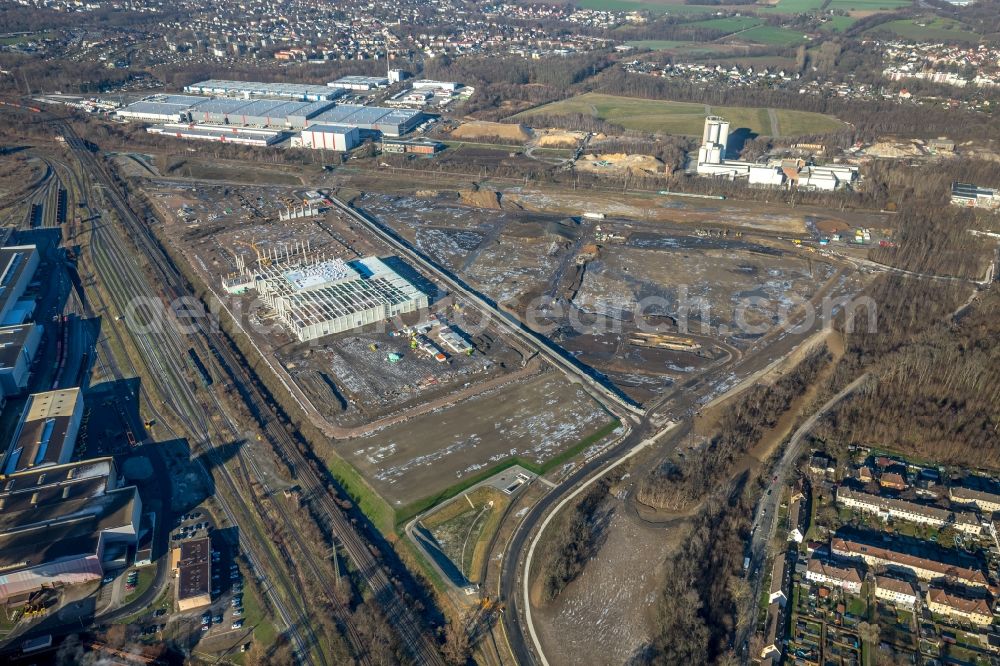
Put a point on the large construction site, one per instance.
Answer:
(418, 390)
(646, 303)
(418, 393)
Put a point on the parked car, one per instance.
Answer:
(238, 624)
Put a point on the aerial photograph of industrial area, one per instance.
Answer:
(500, 332)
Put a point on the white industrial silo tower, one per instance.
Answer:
(714, 140)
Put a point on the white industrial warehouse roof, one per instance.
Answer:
(262, 88)
(330, 129)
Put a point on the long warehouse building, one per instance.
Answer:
(246, 136)
(63, 525)
(297, 91)
(371, 119)
(273, 113)
(332, 296)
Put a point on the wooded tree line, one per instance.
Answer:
(704, 598)
(505, 85)
(575, 537)
(938, 390)
(676, 485)
(935, 241)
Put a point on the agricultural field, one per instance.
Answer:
(768, 34)
(869, 6)
(532, 422)
(793, 6)
(839, 23)
(663, 116)
(727, 24)
(928, 29)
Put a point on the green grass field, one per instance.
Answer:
(658, 44)
(728, 24)
(929, 29)
(687, 118)
(838, 23)
(23, 39)
(767, 34)
(868, 5)
(792, 6)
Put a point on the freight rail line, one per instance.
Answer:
(378, 581)
(107, 358)
(197, 425)
(193, 413)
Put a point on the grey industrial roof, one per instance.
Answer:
(270, 108)
(330, 129)
(220, 105)
(12, 339)
(262, 88)
(165, 104)
(14, 260)
(215, 132)
(310, 109)
(365, 115)
(354, 78)
(969, 190)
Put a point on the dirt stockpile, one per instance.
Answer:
(484, 130)
(618, 161)
(891, 149)
(480, 198)
(560, 139)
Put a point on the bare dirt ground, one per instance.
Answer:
(605, 613)
(17, 171)
(535, 419)
(620, 163)
(480, 129)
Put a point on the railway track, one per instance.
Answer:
(400, 616)
(120, 275)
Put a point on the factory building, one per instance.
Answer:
(315, 299)
(973, 196)
(62, 525)
(46, 433)
(762, 174)
(328, 137)
(774, 173)
(17, 269)
(256, 113)
(447, 86)
(18, 346)
(420, 147)
(295, 91)
(715, 139)
(371, 119)
(359, 82)
(159, 108)
(272, 113)
(240, 135)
